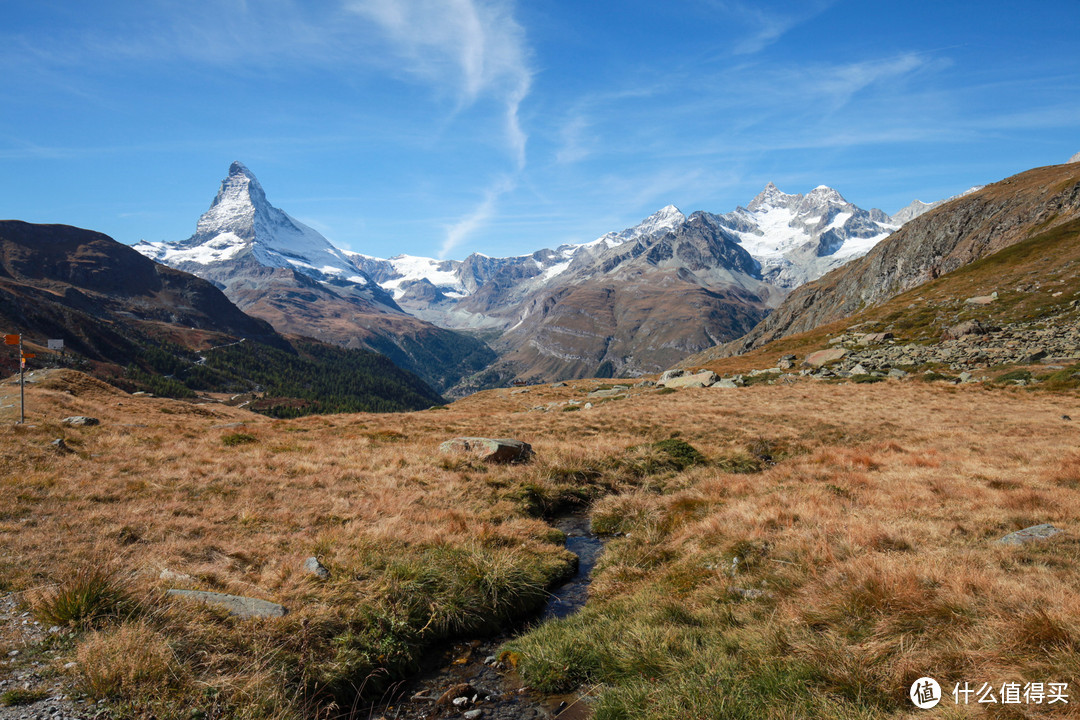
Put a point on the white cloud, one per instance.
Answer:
(473, 46)
(457, 233)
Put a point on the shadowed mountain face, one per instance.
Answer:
(143, 325)
(951, 236)
(278, 269)
(64, 282)
(637, 307)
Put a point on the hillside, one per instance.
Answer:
(1017, 306)
(141, 325)
(938, 242)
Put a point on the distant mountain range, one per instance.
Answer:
(630, 302)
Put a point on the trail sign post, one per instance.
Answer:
(17, 340)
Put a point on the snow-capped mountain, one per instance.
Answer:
(241, 224)
(798, 238)
(917, 207)
(276, 268)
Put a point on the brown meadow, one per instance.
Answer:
(837, 543)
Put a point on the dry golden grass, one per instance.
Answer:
(870, 530)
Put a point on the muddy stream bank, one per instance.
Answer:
(466, 679)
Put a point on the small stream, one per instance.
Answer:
(470, 669)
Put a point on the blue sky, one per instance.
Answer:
(444, 127)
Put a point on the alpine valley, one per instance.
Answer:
(626, 304)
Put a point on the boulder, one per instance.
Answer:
(607, 392)
(823, 357)
(501, 450)
(312, 566)
(968, 327)
(242, 607)
(699, 380)
(875, 338)
(81, 420)
(786, 362)
(669, 374)
(982, 299)
(725, 383)
(1030, 534)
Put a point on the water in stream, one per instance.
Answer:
(470, 669)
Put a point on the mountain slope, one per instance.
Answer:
(143, 325)
(949, 237)
(276, 268)
(636, 307)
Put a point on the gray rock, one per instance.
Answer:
(897, 373)
(645, 383)
(725, 383)
(701, 379)
(558, 385)
(316, 568)
(966, 377)
(473, 714)
(823, 357)
(500, 450)
(60, 445)
(242, 607)
(875, 338)
(1030, 534)
(607, 392)
(982, 299)
(81, 420)
(670, 374)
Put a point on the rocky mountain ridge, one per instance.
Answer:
(278, 269)
(949, 237)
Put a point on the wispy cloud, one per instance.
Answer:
(473, 46)
(457, 233)
(767, 23)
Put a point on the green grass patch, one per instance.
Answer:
(20, 696)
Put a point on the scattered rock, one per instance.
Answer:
(644, 384)
(607, 392)
(698, 380)
(1033, 355)
(968, 327)
(558, 385)
(242, 607)
(1030, 534)
(461, 690)
(982, 299)
(60, 445)
(786, 362)
(897, 373)
(473, 714)
(671, 374)
(966, 377)
(823, 357)
(724, 383)
(501, 450)
(875, 338)
(81, 421)
(312, 566)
